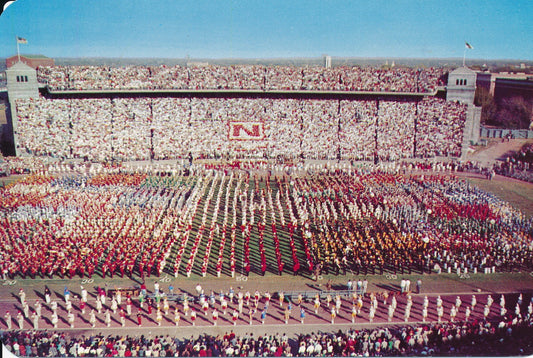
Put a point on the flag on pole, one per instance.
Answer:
(468, 46)
(21, 40)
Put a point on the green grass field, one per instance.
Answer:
(518, 194)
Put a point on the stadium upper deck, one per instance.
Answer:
(242, 77)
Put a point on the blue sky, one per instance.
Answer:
(269, 29)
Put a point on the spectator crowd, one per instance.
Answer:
(166, 128)
(242, 77)
(518, 165)
(497, 338)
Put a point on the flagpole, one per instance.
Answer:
(464, 57)
(18, 52)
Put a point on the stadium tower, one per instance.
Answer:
(21, 84)
(462, 88)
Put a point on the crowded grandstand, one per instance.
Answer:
(280, 121)
(172, 173)
(242, 77)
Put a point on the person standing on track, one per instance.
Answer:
(235, 317)
(122, 315)
(338, 303)
(102, 293)
(453, 313)
(359, 304)
(98, 305)
(22, 295)
(212, 299)
(407, 313)
(251, 314)
(247, 298)
(47, 295)
(205, 307)
(215, 317)
(193, 316)
(166, 306)
(198, 289)
(66, 294)
(82, 306)
(390, 312)
(38, 308)
(440, 313)
(371, 313)
(240, 304)
(186, 306)
(263, 316)
(107, 318)
(158, 317)
(84, 294)
(486, 311)
(328, 300)
(149, 306)
(317, 303)
(26, 309)
(177, 316)
(7, 317)
(114, 305)
(35, 319)
(68, 306)
(70, 319)
(92, 318)
(54, 319)
(224, 305)
(268, 296)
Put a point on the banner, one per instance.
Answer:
(246, 130)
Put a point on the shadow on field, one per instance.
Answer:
(393, 288)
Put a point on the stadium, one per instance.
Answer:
(218, 202)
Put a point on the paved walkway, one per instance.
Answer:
(497, 150)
